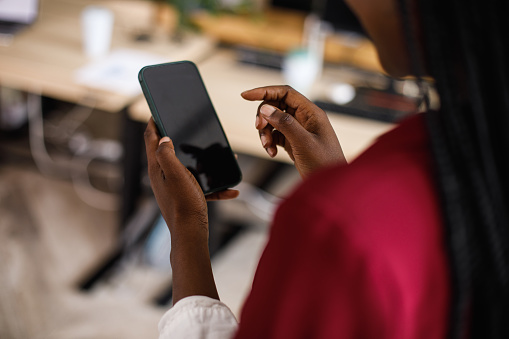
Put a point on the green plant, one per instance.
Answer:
(187, 7)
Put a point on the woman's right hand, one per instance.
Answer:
(288, 119)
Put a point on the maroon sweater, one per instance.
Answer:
(357, 251)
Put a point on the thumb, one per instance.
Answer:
(172, 168)
(165, 155)
(284, 123)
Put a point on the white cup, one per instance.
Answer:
(300, 70)
(97, 29)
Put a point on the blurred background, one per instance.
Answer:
(84, 252)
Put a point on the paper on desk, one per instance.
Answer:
(117, 72)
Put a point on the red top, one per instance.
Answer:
(357, 251)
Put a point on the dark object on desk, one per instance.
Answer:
(143, 37)
(259, 57)
(374, 104)
(335, 12)
(341, 17)
(17, 14)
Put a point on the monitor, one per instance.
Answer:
(19, 11)
(335, 12)
(341, 17)
(300, 5)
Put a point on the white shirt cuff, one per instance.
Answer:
(198, 317)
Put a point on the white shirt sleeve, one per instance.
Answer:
(198, 317)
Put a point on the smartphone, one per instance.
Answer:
(183, 111)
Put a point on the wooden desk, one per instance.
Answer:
(225, 79)
(282, 30)
(44, 57)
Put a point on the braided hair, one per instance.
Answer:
(466, 51)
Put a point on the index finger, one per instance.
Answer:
(286, 94)
(222, 195)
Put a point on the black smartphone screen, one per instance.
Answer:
(182, 110)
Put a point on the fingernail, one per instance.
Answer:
(257, 122)
(263, 139)
(267, 110)
(163, 140)
(270, 152)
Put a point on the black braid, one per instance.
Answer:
(466, 44)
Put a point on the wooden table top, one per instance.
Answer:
(44, 57)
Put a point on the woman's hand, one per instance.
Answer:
(288, 119)
(176, 190)
(178, 195)
(184, 208)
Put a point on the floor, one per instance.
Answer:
(48, 240)
(51, 239)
